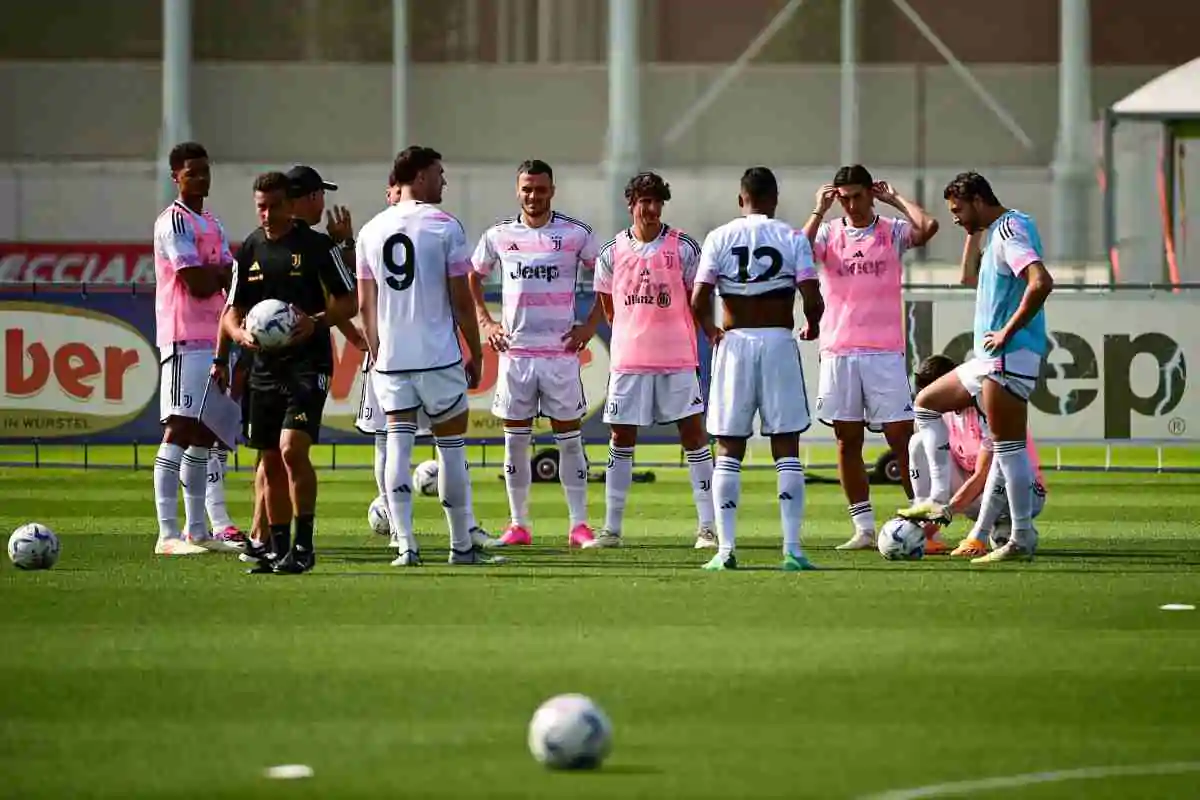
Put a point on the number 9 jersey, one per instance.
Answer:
(411, 249)
(755, 254)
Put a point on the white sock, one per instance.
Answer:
(472, 523)
(993, 503)
(618, 477)
(918, 468)
(453, 489)
(1018, 478)
(214, 493)
(193, 474)
(400, 436)
(863, 517)
(936, 435)
(518, 473)
(573, 474)
(790, 480)
(727, 490)
(166, 489)
(700, 470)
(381, 462)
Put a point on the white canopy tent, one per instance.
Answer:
(1145, 174)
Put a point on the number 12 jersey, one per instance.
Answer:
(412, 249)
(755, 254)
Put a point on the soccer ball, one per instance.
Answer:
(425, 478)
(901, 539)
(271, 324)
(570, 731)
(33, 546)
(377, 516)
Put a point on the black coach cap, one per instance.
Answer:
(304, 180)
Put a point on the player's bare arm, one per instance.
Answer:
(814, 308)
(973, 486)
(924, 227)
(821, 205)
(489, 329)
(582, 332)
(367, 300)
(702, 310)
(462, 300)
(203, 281)
(1038, 286)
(972, 257)
(606, 302)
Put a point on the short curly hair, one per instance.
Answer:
(647, 184)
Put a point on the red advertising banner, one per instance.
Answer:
(77, 262)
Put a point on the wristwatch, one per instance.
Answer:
(348, 244)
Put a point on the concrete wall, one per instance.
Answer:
(78, 139)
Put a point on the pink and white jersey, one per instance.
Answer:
(184, 239)
(969, 435)
(540, 275)
(411, 249)
(755, 254)
(653, 331)
(861, 285)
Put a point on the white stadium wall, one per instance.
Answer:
(79, 139)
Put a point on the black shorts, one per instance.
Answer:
(295, 404)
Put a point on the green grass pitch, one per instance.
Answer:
(124, 675)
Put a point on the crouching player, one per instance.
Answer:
(971, 459)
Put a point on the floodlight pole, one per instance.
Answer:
(849, 100)
(624, 154)
(176, 90)
(399, 76)
(1071, 169)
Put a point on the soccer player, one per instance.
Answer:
(971, 461)
(756, 263)
(864, 378)
(540, 252)
(373, 422)
(413, 263)
(644, 279)
(192, 268)
(291, 262)
(1002, 256)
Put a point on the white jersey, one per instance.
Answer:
(411, 250)
(754, 255)
(539, 279)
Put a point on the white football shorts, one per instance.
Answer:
(440, 393)
(868, 387)
(1017, 372)
(533, 386)
(648, 399)
(757, 371)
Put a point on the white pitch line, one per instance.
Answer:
(1031, 778)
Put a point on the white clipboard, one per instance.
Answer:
(222, 415)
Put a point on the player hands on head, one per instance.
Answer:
(192, 265)
(540, 252)
(756, 263)
(1002, 258)
(864, 378)
(293, 263)
(413, 261)
(644, 278)
(971, 453)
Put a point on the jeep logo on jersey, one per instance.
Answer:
(71, 371)
(1111, 374)
(873, 268)
(544, 272)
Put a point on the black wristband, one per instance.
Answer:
(220, 362)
